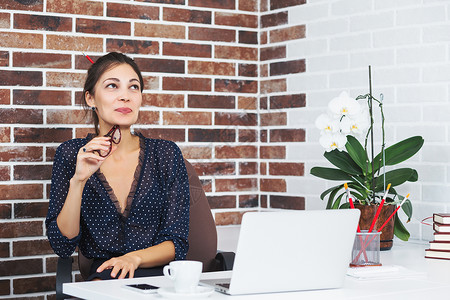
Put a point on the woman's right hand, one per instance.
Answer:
(88, 159)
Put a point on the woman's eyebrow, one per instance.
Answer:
(112, 78)
(118, 80)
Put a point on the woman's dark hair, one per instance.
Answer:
(97, 69)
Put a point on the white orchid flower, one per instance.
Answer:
(333, 141)
(344, 106)
(356, 125)
(327, 124)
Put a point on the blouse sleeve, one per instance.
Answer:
(175, 222)
(63, 169)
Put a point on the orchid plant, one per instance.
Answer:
(356, 164)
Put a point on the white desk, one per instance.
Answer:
(434, 283)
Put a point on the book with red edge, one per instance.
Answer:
(441, 228)
(440, 246)
(441, 237)
(442, 218)
(440, 254)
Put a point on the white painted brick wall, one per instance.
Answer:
(421, 15)
(307, 47)
(407, 43)
(372, 21)
(326, 27)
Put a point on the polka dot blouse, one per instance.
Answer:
(157, 207)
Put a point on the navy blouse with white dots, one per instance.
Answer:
(157, 206)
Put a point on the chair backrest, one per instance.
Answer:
(202, 229)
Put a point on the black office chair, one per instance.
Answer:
(202, 240)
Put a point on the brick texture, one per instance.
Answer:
(186, 15)
(4, 58)
(246, 201)
(274, 19)
(20, 267)
(132, 11)
(211, 68)
(216, 202)
(276, 103)
(186, 49)
(131, 46)
(215, 168)
(41, 97)
(76, 7)
(21, 40)
(205, 101)
(5, 211)
(212, 34)
(287, 202)
(46, 23)
(216, 83)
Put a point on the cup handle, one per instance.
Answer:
(167, 270)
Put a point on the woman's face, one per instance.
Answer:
(117, 97)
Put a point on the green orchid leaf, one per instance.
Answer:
(337, 202)
(399, 229)
(407, 208)
(331, 197)
(357, 196)
(357, 191)
(399, 152)
(393, 191)
(394, 177)
(414, 177)
(326, 192)
(359, 181)
(358, 154)
(330, 174)
(344, 205)
(343, 161)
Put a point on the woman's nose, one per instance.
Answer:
(124, 96)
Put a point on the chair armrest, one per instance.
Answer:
(225, 260)
(63, 275)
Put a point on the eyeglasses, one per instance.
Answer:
(115, 135)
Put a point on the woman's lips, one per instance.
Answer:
(124, 110)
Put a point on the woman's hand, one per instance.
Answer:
(88, 160)
(127, 263)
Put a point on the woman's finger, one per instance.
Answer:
(131, 273)
(92, 156)
(104, 266)
(91, 149)
(95, 147)
(124, 272)
(115, 270)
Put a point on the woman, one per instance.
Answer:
(123, 199)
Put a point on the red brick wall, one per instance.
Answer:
(215, 75)
(275, 103)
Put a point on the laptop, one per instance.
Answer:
(291, 251)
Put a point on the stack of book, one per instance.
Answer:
(440, 246)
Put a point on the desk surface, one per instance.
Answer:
(434, 281)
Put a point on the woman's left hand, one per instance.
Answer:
(127, 263)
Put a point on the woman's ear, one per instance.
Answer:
(89, 99)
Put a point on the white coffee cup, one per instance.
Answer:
(185, 275)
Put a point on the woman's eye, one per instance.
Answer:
(135, 87)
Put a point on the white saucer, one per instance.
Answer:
(201, 292)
